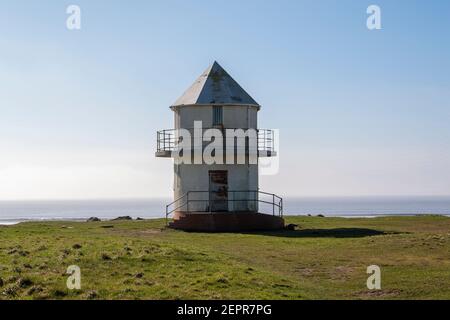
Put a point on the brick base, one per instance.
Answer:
(226, 222)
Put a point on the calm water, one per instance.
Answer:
(17, 211)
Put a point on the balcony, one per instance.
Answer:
(167, 142)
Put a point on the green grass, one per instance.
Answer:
(326, 258)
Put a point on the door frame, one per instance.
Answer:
(213, 200)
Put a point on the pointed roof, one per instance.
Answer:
(215, 86)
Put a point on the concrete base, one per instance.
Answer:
(226, 222)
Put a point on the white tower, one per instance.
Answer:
(223, 195)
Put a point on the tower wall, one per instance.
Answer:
(195, 177)
(242, 117)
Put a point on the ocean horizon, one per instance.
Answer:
(12, 212)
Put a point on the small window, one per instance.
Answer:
(217, 116)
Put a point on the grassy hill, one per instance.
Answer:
(326, 258)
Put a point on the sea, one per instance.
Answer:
(13, 212)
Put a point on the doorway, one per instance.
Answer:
(218, 191)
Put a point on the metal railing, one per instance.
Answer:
(233, 201)
(167, 140)
(266, 140)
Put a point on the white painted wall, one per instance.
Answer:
(243, 117)
(196, 177)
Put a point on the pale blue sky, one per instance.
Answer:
(360, 112)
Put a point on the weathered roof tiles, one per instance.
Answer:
(215, 87)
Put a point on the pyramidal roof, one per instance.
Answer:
(215, 86)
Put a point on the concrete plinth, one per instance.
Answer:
(226, 222)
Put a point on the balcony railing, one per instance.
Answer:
(167, 141)
(227, 201)
(266, 140)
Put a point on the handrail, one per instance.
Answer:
(175, 209)
(276, 201)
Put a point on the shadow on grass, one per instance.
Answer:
(324, 233)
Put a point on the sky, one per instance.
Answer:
(360, 112)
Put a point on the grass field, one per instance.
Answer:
(326, 258)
